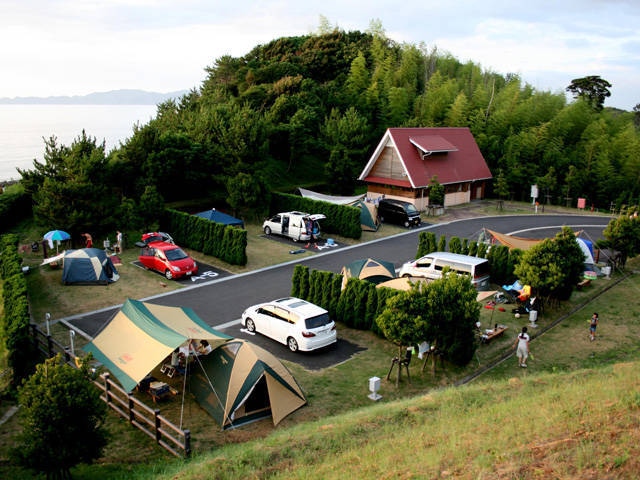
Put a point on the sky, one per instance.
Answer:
(77, 47)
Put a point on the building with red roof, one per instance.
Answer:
(407, 159)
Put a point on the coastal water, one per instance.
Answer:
(23, 129)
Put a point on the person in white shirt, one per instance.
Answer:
(522, 344)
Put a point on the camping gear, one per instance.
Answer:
(141, 335)
(248, 382)
(214, 215)
(371, 270)
(368, 210)
(88, 266)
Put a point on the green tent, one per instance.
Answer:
(368, 215)
(240, 382)
(371, 270)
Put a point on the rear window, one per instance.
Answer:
(317, 321)
(482, 270)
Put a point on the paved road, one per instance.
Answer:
(220, 302)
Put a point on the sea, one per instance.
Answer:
(24, 128)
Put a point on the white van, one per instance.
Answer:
(430, 266)
(293, 225)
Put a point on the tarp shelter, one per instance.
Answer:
(141, 335)
(371, 270)
(526, 243)
(248, 383)
(368, 210)
(88, 266)
(220, 217)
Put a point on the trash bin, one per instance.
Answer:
(533, 316)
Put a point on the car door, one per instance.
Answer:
(160, 261)
(281, 325)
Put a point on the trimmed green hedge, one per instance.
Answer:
(227, 243)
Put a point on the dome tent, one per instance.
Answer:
(88, 266)
(374, 271)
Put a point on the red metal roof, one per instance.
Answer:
(451, 154)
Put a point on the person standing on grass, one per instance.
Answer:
(593, 323)
(522, 345)
(118, 241)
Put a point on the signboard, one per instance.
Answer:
(582, 202)
(534, 191)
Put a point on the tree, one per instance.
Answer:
(247, 192)
(502, 187)
(62, 418)
(593, 89)
(553, 267)
(151, 207)
(436, 192)
(70, 188)
(623, 236)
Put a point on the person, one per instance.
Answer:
(88, 240)
(204, 348)
(593, 323)
(118, 241)
(175, 358)
(522, 345)
(310, 232)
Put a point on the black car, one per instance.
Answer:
(397, 211)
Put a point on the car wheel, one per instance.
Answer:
(406, 275)
(251, 327)
(407, 224)
(381, 218)
(267, 231)
(292, 344)
(168, 274)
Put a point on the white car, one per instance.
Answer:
(293, 225)
(298, 324)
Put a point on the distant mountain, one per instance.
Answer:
(114, 97)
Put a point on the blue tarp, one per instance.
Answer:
(220, 217)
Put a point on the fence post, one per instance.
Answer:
(49, 346)
(187, 443)
(107, 388)
(156, 414)
(131, 407)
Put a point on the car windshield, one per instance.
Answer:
(411, 208)
(317, 321)
(175, 254)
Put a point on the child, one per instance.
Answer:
(522, 343)
(593, 323)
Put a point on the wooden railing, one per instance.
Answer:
(148, 420)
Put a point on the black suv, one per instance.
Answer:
(397, 211)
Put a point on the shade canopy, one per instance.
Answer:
(141, 335)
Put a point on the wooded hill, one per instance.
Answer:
(309, 110)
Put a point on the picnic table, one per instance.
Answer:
(160, 390)
(490, 334)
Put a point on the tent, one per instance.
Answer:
(88, 266)
(141, 335)
(249, 383)
(220, 217)
(368, 210)
(374, 271)
(368, 215)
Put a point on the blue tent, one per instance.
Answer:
(88, 266)
(219, 217)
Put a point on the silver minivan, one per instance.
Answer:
(431, 266)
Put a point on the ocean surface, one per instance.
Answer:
(23, 129)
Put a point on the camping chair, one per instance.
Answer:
(401, 362)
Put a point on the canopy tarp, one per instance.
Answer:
(214, 215)
(141, 335)
(514, 242)
(248, 383)
(338, 200)
(368, 210)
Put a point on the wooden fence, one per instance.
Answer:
(147, 419)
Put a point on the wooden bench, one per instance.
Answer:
(583, 284)
(487, 336)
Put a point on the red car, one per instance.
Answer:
(168, 259)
